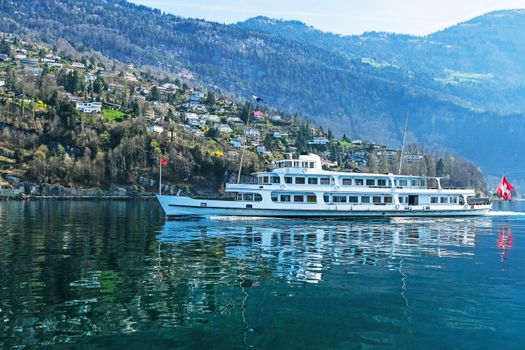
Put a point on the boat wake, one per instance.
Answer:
(237, 218)
(505, 213)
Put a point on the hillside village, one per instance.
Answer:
(63, 108)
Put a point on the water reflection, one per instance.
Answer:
(76, 270)
(505, 240)
(299, 251)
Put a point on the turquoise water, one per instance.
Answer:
(113, 275)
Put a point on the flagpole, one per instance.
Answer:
(160, 175)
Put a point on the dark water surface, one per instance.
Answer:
(116, 275)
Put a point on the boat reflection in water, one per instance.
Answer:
(299, 250)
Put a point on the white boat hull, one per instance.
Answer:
(180, 206)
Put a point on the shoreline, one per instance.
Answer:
(78, 198)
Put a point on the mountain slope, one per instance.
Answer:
(358, 85)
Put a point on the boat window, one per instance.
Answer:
(288, 179)
(376, 199)
(388, 199)
(265, 180)
(248, 197)
(365, 199)
(370, 182)
(453, 199)
(402, 183)
(401, 199)
(312, 181)
(296, 164)
(381, 182)
(359, 182)
(275, 179)
(433, 199)
(312, 164)
(285, 197)
(444, 200)
(257, 197)
(347, 181)
(239, 196)
(300, 180)
(298, 198)
(325, 181)
(353, 199)
(326, 198)
(339, 199)
(311, 198)
(259, 180)
(275, 197)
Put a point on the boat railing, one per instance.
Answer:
(478, 201)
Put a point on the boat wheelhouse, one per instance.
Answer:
(302, 188)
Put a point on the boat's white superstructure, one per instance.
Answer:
(301, 188)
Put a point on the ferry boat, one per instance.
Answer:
(302, 188)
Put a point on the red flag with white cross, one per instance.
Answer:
(504, 189)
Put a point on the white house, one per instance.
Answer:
(89, 107)
(78, 65)
(318, 141)
(235, 143)
(155, 128)
(260, 149)
(279, 134)
(412, 158)
(276, 118)
(212, 118)
(2, 82)
(253, 133)
(234, 120)
(225, 128)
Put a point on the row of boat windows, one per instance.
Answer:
(339, 198)
(330, 198)
(345, 181)
(444, 200)
(295, 164)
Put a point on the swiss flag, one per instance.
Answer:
(504, 189)
(163, 161)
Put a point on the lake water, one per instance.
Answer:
(116, 275)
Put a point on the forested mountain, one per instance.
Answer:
(463, 86)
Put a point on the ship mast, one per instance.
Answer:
(403, 145)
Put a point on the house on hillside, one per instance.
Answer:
(89, 107)
(258, 115)
(28, 61)
(318, 141)
(33, 70)
(388, 154)
(155, 128)
(4, 57)
(235, 143)
(412, 158)
(253, 133)
(280, 134)
(2, 82)
(260, 149)
(78, 65)
(116, 88)
(225, 128)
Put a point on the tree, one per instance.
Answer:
(440, 168)
(210, 99)
(155, 94)
(5, 48)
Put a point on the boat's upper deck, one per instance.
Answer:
(307, 172)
